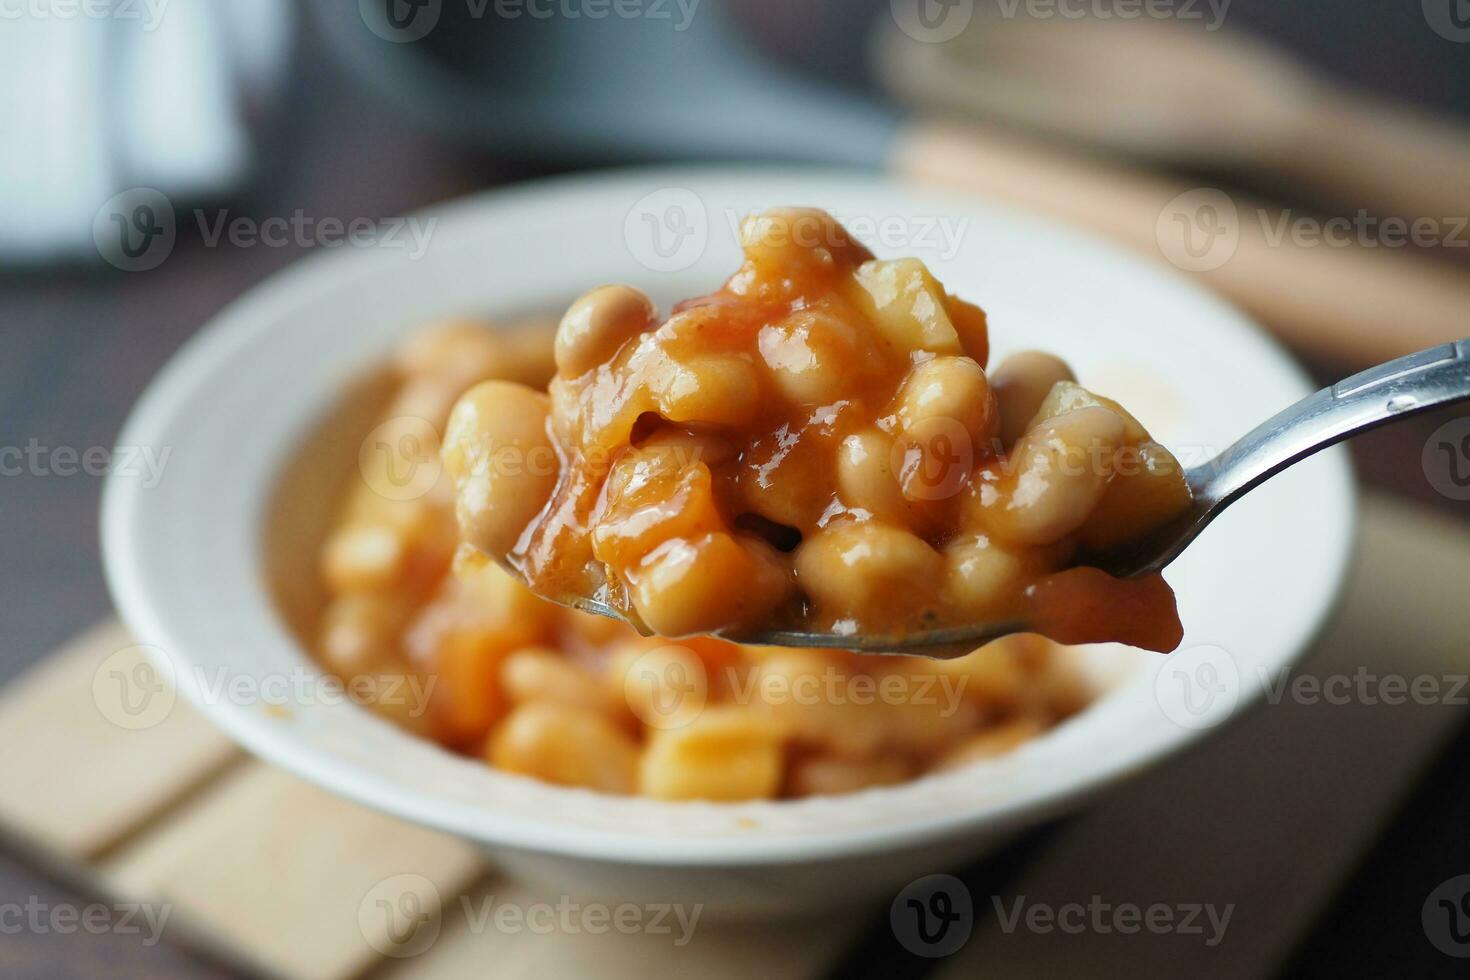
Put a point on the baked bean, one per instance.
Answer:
(397, 696)
(1021, 383)
(650, 497)
(867, 571)
(948, 420)
(365, 558)
(727, 753)
(565, 697)
(834, 389)
(1055, 687)
(808, 695)
(972, 325)
(424, 399)
(664, 685)
(924, 721)
(812, 356)
(1148, 490)
(684, 447)
(1065, 396)
(457, 353)
(786, 477)
(565, 744)
(950, 388)
(543, 674)
(566, 412)
(711, 390)
(807, 238)
(498, 597)
(907, 306)
(865, 477)
(499, 455)
(992, 676)
(467, 698)
(362, 631)
(1060, 471)
(598, 324)
(982, 580)
(709, 583)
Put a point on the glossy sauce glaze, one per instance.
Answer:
(816, 445)
(445, 643)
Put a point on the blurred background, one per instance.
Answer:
(132, 131)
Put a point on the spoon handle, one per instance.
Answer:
(1395, 390)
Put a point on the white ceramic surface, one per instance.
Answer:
(184, 557)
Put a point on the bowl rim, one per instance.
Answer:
(247, 319)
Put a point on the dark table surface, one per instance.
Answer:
(78, 346)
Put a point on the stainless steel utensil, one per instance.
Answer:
(1396, 390)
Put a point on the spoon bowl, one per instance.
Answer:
(1387, 393)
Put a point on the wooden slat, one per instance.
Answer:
(538, 940)
(286, 876)
(290, 881)
(1270, 815)
(74, 783)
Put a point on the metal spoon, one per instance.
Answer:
(1396, 390)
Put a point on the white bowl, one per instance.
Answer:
(186, 562)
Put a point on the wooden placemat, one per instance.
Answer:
(287, 880)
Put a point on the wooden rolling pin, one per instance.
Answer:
(1351, 304)
(1158, 91)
